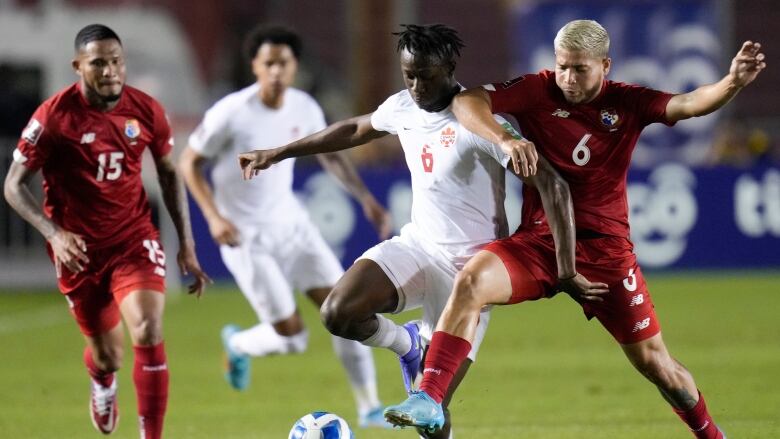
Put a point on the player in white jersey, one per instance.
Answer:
(266, 237)
(458, 205)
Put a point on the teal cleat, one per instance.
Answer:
(237, 365)
(419, 410)
(374, 419)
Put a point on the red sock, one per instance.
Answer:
(699, 421)
(150, 374)
(445, 354)
(103, 378)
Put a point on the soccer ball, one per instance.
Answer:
(321, 425)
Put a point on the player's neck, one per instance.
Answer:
(96, 101)
(274, 101)
(446, 98)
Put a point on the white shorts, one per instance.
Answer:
(274, 261)
(423, 275)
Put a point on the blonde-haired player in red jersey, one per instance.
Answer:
(87, 141)
(586, 127)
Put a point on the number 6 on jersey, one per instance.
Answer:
(581, 153)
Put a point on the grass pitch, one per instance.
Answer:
(544, 371)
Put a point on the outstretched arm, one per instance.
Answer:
(745, 67)
(558, 207)
(472, 108)
(175, 200)
(69, 248)
(340, 135)
(341, 167)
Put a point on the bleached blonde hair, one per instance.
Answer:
(583, 35)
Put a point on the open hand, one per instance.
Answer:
(188, 264)
(582, 290)
(747, 64)
(523, 154)
(70, 250)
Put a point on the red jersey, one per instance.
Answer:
(589, 144)
(91, 162)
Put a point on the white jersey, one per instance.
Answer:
(457, 176)
(240, 122)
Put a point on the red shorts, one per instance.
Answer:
(111, 274)
(627, 310)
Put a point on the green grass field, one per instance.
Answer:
(543, 372)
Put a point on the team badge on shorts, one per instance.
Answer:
(132, 129)
(610, 118)
(447, 137)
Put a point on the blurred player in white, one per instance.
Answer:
(266, 237)
(458, 205)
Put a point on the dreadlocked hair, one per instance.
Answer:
(438, 40)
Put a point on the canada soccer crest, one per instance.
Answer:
(132, 128)
(609, 117)
(447, 137)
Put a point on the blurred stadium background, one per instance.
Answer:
(705, 212)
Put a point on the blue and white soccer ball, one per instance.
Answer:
(321, 425)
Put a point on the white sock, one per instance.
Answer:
(391, 336)
(258, 341)
(296, 343)
(358, 362)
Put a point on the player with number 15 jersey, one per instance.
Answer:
(91, 162)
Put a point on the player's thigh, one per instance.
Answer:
(404, 270)
(483, 280)
(529, 265)
(91, 303)
(260, 279)
(142, 311)
(307, 260)
(627, 311)
(364, 290)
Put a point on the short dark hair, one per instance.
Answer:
(94, 32)
(437, 40)
(273, 34)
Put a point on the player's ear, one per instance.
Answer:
(607, 63)
(75, 63)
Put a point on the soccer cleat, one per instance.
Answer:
(374, 419)
(103, 407)
(419, 410)
(410, 362)
(237, 365)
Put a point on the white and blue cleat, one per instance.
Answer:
(410, 362)
(237, 365)
(419, 410)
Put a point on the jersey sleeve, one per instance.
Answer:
(162, 142)
(649, 104)
(211, 135)
(492, 149)
(516, 95)
(382, 119)
(37, 140)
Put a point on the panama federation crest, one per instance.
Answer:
(132, 129)
(447, 137)
(610, 118)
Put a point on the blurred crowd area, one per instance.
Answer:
(189, 54)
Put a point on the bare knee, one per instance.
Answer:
(147, 331)
(465, 292)
(108, 358)
(336, 314)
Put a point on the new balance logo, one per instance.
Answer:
(561, 113)
(432, 370)
(641, 325)
(87, 138)
(155, 368)
(637, 300)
